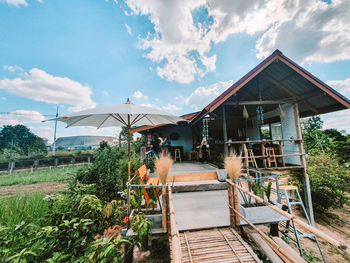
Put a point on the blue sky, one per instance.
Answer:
(175, 55)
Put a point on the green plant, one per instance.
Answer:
(30, 208)
(109, 172)
(52, 175)
(328, 181)
(143, 228)
(268, 191)
(106, 250)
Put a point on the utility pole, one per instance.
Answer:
(54, 135)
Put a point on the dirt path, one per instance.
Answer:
(45, 188)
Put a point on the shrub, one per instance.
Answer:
(328, 181)
(109, 172)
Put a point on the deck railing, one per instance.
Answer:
(174, 236)
(263, 155)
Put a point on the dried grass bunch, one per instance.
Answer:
(233, 166)
(163, 165)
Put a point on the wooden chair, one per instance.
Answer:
(177, 155)
(251, 158)
(142, 173)
(271, 158)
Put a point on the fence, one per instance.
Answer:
(32, 164)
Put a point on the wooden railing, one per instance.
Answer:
(263, 155)
(234, 211)
(174, 236)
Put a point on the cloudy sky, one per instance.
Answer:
(176, 55)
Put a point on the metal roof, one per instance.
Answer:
(279, 78)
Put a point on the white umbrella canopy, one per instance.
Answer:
(127, 115)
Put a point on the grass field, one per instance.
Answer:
(29, 208)
(53, 175)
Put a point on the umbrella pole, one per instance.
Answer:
(129, 165)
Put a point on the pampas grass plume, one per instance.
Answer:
(163, 165)
(233, 166)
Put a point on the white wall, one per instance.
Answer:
(289, 131)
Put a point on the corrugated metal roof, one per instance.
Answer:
(279, 78)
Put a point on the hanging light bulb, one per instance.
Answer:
(245, 113)
(282, 113)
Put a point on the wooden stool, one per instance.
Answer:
(251, 158)
(271, 158)
(177, 155)
(290, 190)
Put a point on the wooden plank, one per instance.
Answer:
(192, 177)
(215, 245)
(268, 251)
(295, 255)
(296, 219)
(174, 232)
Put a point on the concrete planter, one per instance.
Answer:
(222, 174)
(260, 214)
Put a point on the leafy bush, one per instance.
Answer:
(328, 181)
(65, 232)
(109, 171)
(143, 227)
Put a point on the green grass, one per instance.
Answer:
(30, 209)
(53, 175)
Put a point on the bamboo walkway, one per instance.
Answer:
(215, 245)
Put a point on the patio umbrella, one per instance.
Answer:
(127, 115)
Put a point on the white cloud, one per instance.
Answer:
(43, 132)
(3, 98)
(343, 86)
(316, 32)
(41, 86)
(21, 117)
(13, 68)
(184, 31)
(16, 3)
(138, 95)
(105, 93)
(202, 96)
(339, 120)
(171, 108)
(128, 28)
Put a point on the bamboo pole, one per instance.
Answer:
(293, 217)
(278, 250)
(174, 232)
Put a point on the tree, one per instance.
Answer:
(123, 136)
(20, 140)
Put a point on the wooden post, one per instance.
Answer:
(164, 208)
(230, 202)
(224, 128)
(246, 159)
(303, 163)
(282, 153)
(235, 205)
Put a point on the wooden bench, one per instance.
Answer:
(142, 173)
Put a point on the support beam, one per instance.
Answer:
(258, 102)
(224, 128)
(303, 163)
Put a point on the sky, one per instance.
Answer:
(176, 55)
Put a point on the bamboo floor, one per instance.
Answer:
(215, 245)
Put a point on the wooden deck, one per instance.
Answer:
(191, 171)
(215, 245)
